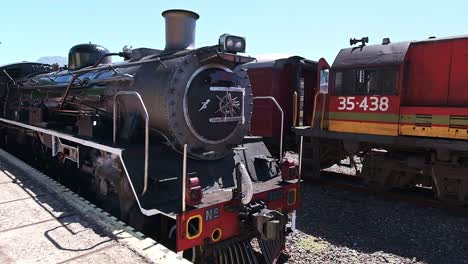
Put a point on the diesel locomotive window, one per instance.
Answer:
(389, 81)
(324, 81)
(366, 81)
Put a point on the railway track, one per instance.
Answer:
(418, 196)
(118, 231)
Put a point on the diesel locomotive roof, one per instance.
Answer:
(433, 39)
(389, 54)
(375, 55)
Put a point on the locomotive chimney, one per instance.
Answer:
(180, 29)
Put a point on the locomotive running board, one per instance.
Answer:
(91, 144)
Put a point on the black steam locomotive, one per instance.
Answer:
(164, 134)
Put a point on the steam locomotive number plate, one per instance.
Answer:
(275, 195)
(211, 214)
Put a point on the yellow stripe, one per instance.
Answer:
(440, 132)
(364, 128)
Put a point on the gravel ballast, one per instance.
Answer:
(336, 226)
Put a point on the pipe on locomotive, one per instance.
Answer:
(76, 76)
(180, 35)
(246, 181)
(180, 29)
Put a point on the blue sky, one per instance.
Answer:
(312, 29)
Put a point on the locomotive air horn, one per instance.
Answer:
(180, 29)
(354, 41)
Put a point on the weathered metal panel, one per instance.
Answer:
(372, 55)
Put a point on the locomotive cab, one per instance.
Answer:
(364, 89)
(380, 89)
(293, 82)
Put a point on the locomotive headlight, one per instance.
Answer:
(232, 43)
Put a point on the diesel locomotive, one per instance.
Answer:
(400, 109)
(165, 136)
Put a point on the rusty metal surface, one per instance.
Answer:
(372, 55)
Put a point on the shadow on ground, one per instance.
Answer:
(47, 207)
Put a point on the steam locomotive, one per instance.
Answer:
(165, 134)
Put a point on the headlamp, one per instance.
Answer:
(232, 44)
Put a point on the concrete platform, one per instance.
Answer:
(44, 222)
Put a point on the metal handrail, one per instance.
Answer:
(184, 176)
(301, 143)
(294, 109)
(282, 119)
(145, 112)
(323, 109)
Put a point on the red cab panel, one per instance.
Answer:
(282, 79)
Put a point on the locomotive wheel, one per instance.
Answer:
(375, 174)
(319, 155)
(189, 254)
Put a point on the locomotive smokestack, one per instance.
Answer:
(180, 29)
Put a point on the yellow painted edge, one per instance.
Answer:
(295, 196)
(199, 230)
(220, 234)
(363, 127)
(440, 132)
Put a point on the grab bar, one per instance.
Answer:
(294, 109)
(184, 176)
(323, 109)
(282, 119)
(145, 112)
